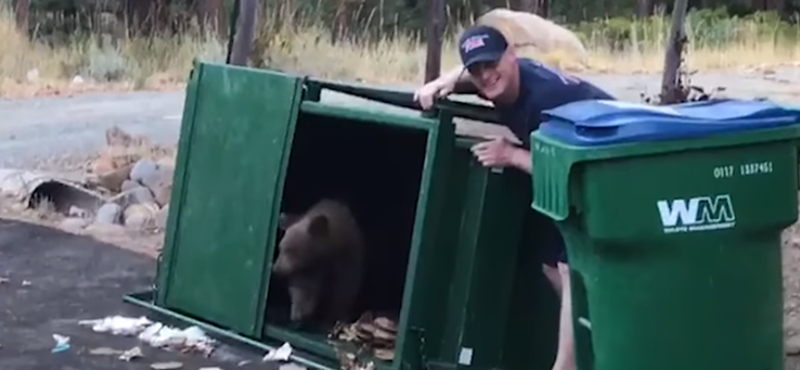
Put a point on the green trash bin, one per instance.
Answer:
(674, 243)
(255, 143)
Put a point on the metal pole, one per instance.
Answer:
(670, 89)
(435, 32)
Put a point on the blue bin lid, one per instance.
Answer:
(602, 122)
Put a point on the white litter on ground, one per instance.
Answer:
(118, 325)
(282, 353)
(155, 334)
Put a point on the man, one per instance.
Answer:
(520, 90)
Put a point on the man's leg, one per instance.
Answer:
(559, 278)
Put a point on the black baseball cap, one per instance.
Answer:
(481, 44)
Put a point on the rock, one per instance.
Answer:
(160, 219)
(32, 75)
(77, 212)
(140, 216)
(128, 185)
(792, 346)
(103, 164)
(136, 195)
(108, 214)
(161, 184)
(113, 180)
(73, 223)
(143, 171)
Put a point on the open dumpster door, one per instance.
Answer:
(221, 223)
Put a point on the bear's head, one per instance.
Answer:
(305, 243)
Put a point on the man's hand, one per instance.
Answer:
(500, 152)
(432, 90)
(497, 152)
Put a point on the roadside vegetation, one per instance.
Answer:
(619, 44)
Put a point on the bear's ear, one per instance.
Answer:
(318, 226)
(285, 220)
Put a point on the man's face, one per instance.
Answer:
(493, 79)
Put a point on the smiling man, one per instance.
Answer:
(520, 90)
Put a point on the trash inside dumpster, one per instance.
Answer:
(280, 196)
(672, 218)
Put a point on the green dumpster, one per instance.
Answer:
(672, 218)
(446, 233)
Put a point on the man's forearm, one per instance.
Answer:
(460, 81)
(522, 159)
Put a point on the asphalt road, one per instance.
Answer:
(55, 279)
(43, 130)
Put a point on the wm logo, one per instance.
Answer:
(696, 214)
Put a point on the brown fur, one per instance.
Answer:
(321, 255)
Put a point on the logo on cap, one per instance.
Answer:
(473, 43)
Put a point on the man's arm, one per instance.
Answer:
(521, 159)
(459, 79)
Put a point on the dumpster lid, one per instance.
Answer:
(602, 122)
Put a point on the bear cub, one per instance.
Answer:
(321, 258)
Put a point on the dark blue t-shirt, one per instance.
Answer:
(542, 88)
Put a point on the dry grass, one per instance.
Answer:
(306, 48)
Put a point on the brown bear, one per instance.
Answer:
(321, 257)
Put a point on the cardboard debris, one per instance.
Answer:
(376, 335)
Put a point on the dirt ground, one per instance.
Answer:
(53, 279)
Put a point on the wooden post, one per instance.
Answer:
(241, 43)
(435, 32)
(670, 87)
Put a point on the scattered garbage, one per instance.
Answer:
(166, 365)
(118, 325)
(155, 334)
(292, 366)
(130, 354)
(105, 351)
(62, 343)
(190, 339)
(281, 353)
(374, 334)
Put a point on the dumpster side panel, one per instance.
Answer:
(233, 168)
(430, 262)
(491, 223)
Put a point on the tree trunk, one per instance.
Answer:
(209, 12)
(21, 8)
(644, 8)
(776, 5)
(433, 62)
(242, 43)
(671, 84)
(141, 17)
